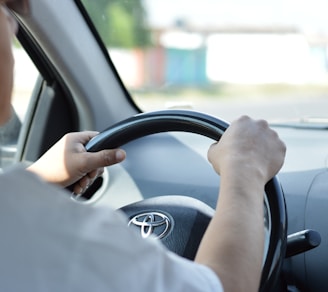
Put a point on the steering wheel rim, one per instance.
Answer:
(195, 122)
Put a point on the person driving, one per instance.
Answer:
(52, 243)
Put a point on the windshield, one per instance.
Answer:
(266, 59)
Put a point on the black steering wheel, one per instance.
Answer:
(179, 221)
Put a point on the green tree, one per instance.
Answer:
(119, 23)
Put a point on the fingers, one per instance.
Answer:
(85, 136)
(85, 182)
(90, 165)
(103, 158)
(248, 143)
(93, 166)
(94, 160)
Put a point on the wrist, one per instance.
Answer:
(244, 173)
(247, 186)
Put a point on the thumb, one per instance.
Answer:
(103, 158)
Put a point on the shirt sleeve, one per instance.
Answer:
(52, 243)
(146, 265)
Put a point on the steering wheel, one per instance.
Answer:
(179, 221)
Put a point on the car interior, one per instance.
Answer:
(163, 80)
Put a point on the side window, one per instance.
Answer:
(25, 76)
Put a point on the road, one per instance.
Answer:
(273, 109)
(287, 106)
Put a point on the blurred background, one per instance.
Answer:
(223, 57)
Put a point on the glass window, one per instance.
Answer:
(267, 59)
(25, 76)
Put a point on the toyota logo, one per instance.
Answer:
(152, 224)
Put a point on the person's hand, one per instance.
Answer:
(67, 162)
(248, 147)
(247, 156)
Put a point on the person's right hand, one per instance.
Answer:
(248, 147)
(247, 156)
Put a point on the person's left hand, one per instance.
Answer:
(67, 162)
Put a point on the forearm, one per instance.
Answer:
(233, 243)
